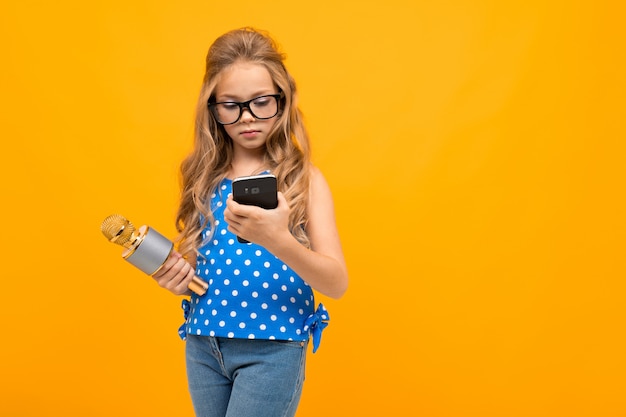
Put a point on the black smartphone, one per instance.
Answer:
(256, 190)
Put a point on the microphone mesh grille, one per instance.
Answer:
(117, 229)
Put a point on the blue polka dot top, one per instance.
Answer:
(252, 294)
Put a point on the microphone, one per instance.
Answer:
(145, 248)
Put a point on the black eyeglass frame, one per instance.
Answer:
(244, 105)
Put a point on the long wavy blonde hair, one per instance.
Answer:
(287, 147)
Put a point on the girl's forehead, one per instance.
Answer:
(244, 78)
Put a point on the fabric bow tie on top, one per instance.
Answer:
(315, 323)
(186, 306)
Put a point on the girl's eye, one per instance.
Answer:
(260, 102)
(229, 106)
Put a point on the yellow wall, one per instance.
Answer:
(476, 154)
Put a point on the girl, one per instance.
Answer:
(246, 338)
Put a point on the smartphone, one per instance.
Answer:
(256, 190)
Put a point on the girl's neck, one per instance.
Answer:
(242, 167)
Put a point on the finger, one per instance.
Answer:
(240, 210)
(232, 218)
(183, 270)
(231, 205)
(169, 263)
(176, 275)
(228, 216)
(234, 230)
(190, 276)
(182, 279)
(281, 199)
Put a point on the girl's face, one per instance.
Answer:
(239, 83)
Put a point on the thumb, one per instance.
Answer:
(282, 201)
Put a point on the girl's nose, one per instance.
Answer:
(246, 115)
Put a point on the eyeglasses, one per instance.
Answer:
(229, 112)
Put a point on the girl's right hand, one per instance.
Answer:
(175, 274)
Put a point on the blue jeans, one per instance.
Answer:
(243, 378)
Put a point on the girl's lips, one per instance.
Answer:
(249, 133)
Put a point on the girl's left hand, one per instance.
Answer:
(258, 225)
(175, 274)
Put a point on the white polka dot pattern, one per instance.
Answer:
(252, 294)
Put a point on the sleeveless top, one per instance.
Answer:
(252, 294)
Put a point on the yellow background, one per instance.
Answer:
(476, 154)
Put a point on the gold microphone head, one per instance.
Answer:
(117, 229)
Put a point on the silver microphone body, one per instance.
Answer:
(151, 251)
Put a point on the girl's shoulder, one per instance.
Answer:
(318, 186)
(315, 174)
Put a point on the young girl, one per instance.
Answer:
(246, 338)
